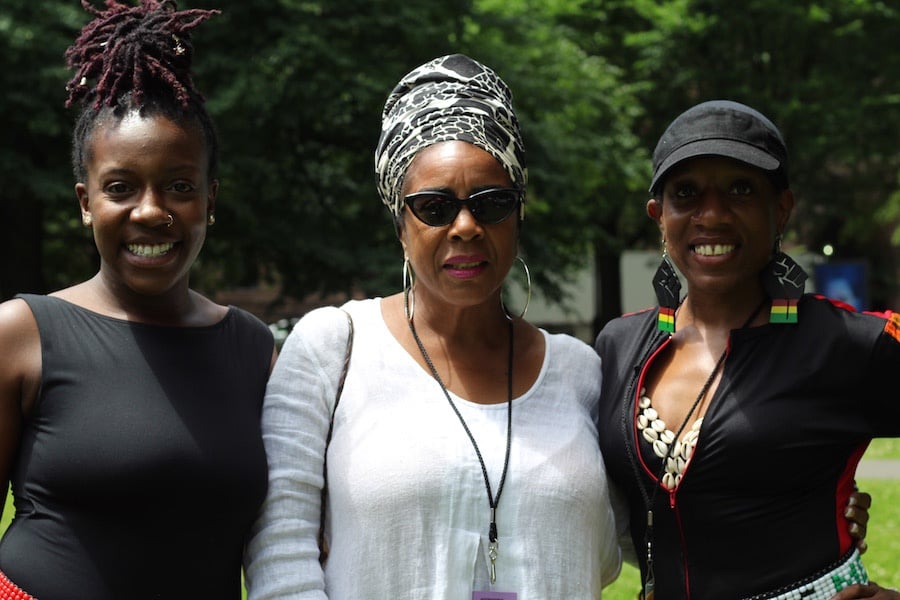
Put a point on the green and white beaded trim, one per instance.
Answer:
(823, 585)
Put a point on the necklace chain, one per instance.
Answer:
(493, 501)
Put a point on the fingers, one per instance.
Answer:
(857, 512)
(861, 499)
(857, 531)
(871, 590)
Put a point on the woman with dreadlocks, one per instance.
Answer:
(129, 403)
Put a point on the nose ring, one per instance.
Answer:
(171, 220)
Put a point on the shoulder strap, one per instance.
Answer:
(323, 545)
(348, 349)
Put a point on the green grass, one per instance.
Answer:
(884, 448)
(883, 537)
(7, 514)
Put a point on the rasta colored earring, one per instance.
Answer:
(668, 292)
(784, 281)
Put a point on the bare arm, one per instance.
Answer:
(20, 366)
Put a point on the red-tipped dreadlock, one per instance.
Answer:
(134, 48)
(140, 58)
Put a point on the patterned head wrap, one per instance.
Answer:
(449, 98)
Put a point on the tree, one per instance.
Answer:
(298, 97)
(43, 242)
(818, 68)
(578, 116)
(296, 88)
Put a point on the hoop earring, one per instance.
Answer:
(668, 292)
(527, 290)
(170, 221)
(409, 282)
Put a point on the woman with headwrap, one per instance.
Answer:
(464, 460)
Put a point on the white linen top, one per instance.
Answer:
(408, 512)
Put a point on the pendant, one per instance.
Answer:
(647, 594)
(492, 554)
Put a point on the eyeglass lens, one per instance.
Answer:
(488, 207)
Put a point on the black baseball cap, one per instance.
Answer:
(721, 128)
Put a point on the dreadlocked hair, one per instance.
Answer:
(140, 58)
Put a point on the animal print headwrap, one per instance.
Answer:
(449, 98)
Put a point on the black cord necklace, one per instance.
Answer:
(649, 501)
(493, 501)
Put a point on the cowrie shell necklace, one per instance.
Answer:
(654, 431)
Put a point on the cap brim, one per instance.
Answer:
(745, 153)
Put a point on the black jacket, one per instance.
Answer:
(760, 504)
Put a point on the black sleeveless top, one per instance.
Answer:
(142, 466)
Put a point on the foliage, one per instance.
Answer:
(577, 116)
(818, 68)
(34, 165)
(296, 88)
(298, 98)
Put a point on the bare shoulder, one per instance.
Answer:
(20, 354)
(17, 325)
(19, 341)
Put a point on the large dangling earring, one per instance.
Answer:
(527, 290)
(668, 292)
(784, 281)
(409, 300)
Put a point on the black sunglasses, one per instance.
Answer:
(489, 207)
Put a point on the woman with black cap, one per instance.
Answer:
(733, 418)
(464, 460)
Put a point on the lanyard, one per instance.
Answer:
(492, 500)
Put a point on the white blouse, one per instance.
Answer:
(408, 510)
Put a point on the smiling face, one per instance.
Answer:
(463, 263)
(719, 218)
(140, 170)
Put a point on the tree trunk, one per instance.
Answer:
(608, 290)
(21, 267)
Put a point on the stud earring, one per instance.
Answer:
(86, 220)
(211, 219)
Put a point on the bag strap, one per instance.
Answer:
(323, 545)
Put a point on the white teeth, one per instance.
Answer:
(713, 249)
(148, 250)
(471, 265)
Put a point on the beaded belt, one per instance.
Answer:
(823, 585)
(10, 591)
